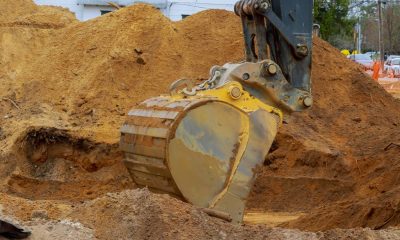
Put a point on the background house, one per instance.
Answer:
(175, 10)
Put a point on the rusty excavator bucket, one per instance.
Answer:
(202, 143)
(200, 148)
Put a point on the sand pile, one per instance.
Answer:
(26, 13)
(139, 214)
(337, 158)
(130, 55)
(66, 88)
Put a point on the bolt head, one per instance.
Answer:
(235, 92)
(303, 50)
(308, 101)
(264, 5)
(272, 69)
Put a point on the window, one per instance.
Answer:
(185, 16)
(104, 12)
(395, 61)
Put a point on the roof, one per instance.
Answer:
(156, 3)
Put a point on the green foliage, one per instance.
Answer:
(333, 17)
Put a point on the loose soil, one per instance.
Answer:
(65, 87)
(139, 214)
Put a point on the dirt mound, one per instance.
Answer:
(151, 216)
(12, 10)
(139, 214)
(27, 14)
(73, 82)
(343, 140)
(131, 56)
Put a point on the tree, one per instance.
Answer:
(391, 27)
(336, 26)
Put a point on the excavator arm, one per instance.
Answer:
(282, 32)
(202, 143)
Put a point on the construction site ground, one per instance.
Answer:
(390, 83)
(66, 86)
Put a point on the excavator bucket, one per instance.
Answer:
(203, 143)
(201, 149)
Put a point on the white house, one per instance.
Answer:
(174, 9)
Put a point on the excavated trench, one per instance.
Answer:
(295, 179)
(54, 164)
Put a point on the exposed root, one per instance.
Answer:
(53, 164)
(44, 144)
(12, 102)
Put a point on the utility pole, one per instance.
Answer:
(381, 46)
(358, 36)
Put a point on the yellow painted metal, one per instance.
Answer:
(202, 146)
(200, 153)
(246, 102)
(217, 146)
(262, 131)
(242, 142)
